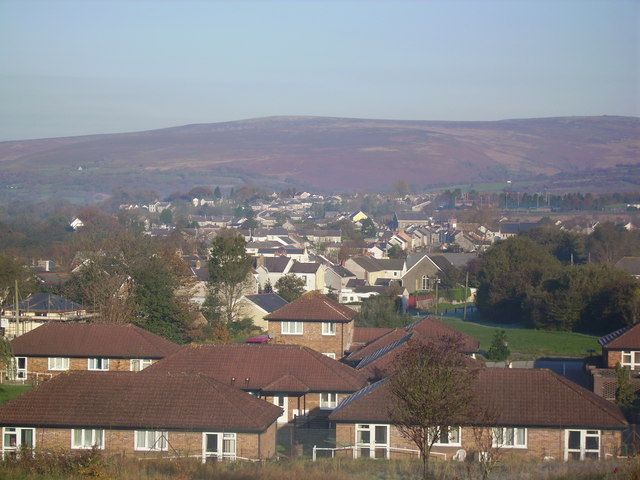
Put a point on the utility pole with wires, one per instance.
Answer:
(466, 296)
(16, 309)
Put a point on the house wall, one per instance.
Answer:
(250, 310)
(612, 357)
(312, 337)
(309, 402)
(356, 269)
(39, 366)
(541, 442)
(248, 445)
(413, 278)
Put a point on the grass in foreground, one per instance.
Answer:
(528, 343)
(55, 466)
(9, 392)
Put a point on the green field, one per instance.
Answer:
(527, 343)
(8, 392)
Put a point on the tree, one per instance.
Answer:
(166, 216)
(381, 311)
(401, 187)
(217, 194)
(368, 228)
(268, 288)
(625, 393)
(499, 349)
(395, 251)
(229, 272)
(290, 287)
(433, 388)
(10, 271)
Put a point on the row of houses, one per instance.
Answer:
(121, 389)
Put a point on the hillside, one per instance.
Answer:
(333, 154)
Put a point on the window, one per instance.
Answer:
(99, 364)
(218, 445)
(330, 355)
(631, 360)
(15, 437)
(87, 438)
(582, 444)
(137, 364)
(425, 283)
(510, 437)
(448, 436)
(328, 328)
(58, 363)
(328, 401)
(151, 440)
(292, 328)
(18, 368)
(372, 441)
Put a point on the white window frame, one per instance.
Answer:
(276, 400)
(329, 329)
(425, 283)
(372, 446)
(104, 362)
(17, 431)
(330, 355)
(160, 441)
(328, 400)
(634, 359)
(19, 373)
(502, 434)
(142, 364)
(450, 442)
(65, 364)
(582, 450)
(291, 328)
(220, 454)
(84, 432)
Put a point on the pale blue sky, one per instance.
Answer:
(70, 68)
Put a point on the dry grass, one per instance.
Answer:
(58, 466)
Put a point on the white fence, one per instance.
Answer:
(354, 450)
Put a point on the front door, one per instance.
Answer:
(19, 370)
(211, 445)
(372, 441)
(582, 444)
(282, 402)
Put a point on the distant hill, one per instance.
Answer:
(334, 154)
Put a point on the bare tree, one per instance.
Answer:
(488, 449)
(433, 389)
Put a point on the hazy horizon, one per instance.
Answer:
(79, 68)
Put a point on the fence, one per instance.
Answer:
(354, 450)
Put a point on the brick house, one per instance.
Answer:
(377, 359)
(315, 321)
(141, 415)
(538, 415)
(58, 347)
(619, 347)
(303, 382)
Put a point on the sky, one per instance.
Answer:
(74, 68)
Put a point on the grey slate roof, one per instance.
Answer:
(341, 271)
(47, 302)
(269, 302)
(300, 267)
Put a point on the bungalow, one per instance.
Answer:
(157, 415)
(38, 309)
(58, 347)
(257, 306)
(421, 273)
(370, 269)
(299, 380)
(620, 347)
(377, 359)
(315, 321)
(534, 413)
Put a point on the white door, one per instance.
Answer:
(282, 402)
(372, 441)
(19, 368)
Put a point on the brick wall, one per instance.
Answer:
(39, 366)
(612, 358)
(541, 443)
(312, 337)
(121, 442)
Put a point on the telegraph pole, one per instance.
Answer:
(466, 296)
(16, 309)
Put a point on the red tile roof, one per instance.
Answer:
(313, 307)
(425, 329)
(131, 400)
(519, 397)
(57, 339)
(627, 337)
(365, 335)
(264, 367)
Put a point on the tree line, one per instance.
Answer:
(560, 280)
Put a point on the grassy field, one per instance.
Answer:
(528, 343)
(7, 392)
